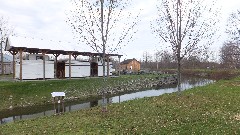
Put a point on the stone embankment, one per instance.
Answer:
(139, 84)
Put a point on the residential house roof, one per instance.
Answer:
(127, 61)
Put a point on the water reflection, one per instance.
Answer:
(25, 113)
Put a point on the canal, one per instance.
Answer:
(47, 110)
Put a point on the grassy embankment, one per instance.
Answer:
(211, 109)
(16, 94)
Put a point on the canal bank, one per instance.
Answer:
(211, 109)
(165, 85)
(31, 93)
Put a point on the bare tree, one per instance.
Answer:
(5, 30)
(229, 55)
(105, 26)
(233, 26)
(191, 62)
(165, 58)
(146, 58)
(187, 26)
(157, 57)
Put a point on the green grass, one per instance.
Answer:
(15, 94)
(211, 109)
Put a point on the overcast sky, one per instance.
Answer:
(46, 19)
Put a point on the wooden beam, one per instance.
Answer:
(20, 51)
(14, 66)
(119, 67)
(70, 64)
(44, 66)
(14, 53)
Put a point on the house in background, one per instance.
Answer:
(7, 64)
(130, 65)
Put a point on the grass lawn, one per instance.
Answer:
(26, 93)
(215, 74)
(211, 109)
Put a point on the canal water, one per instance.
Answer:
(46, 110)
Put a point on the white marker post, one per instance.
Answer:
(59, 97)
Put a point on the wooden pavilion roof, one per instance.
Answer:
(49, 51)
(32, 45)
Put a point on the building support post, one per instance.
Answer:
(14, 66)
(90, 62)
(70, 64)
(14, 53)
(119, 68)
(20, 51)
(44, 66)
(55, 68)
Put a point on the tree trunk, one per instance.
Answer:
(2, 63)
(108, 67)
(179, 75)
(104, 106)
(179, 46)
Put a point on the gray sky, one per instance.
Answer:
(46, 19)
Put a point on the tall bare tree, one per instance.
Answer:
(187, 26)
(5, 30)
(233, 26)
(229, 55)
(157, 58)
(105, 26)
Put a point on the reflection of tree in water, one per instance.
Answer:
(107, 100)
(94, 103)
(3, 121)
(60, 108)
(186, 81)
(193, 81)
